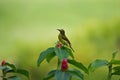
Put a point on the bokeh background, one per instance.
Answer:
(28, 27)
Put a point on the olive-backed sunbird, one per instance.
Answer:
(63, 39)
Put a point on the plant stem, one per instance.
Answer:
(58, 65)
(3, 75)
(110, 71)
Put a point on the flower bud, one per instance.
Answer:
(3, 63)
(64, 65)
(59, 45)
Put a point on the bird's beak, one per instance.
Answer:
(58, 29)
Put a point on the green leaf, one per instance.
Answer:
(78, 65)
(13, 78)
(77, 74)
(117, 68)
(44, 54)
(69, 51)
(20, 71)
(58, 53)
(117, 62)
(114, 54)
(116, 73)
(59, 75)
(12, 66)
(50, 75)
(64, 52)
(96, 64)
(50, 56)
(23, 72)
(2, 67)
(4, 78)
(61, 53)
(8, 70)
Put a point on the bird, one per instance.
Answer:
(63, 38)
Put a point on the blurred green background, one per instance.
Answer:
(27, 27)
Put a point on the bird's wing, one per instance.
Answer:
(66, 39)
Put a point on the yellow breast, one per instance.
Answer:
(62, 40)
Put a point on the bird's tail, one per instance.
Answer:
(72, 48)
